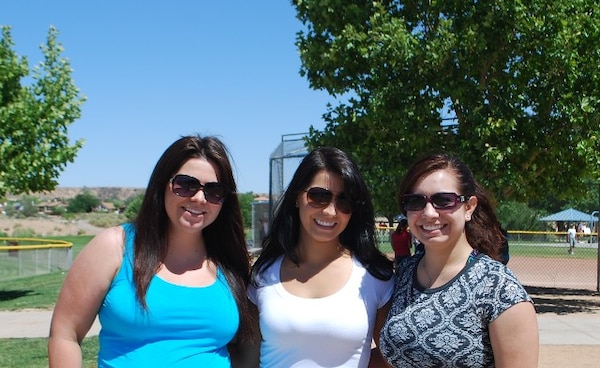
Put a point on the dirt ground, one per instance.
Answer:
(575, 356)
(51, 226)
(559, 301)
(567, 302)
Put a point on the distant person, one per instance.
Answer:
(321, 285)
(455, 305)
(401, 242)
(587, 233)
(170, 287)
(572, 238)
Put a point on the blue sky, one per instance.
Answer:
(153, 71)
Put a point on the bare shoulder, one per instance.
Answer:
(107, 245)
(111, 236)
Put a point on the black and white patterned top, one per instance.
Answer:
(448, 326)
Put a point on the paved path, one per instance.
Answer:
(31, 323)
(573, 329)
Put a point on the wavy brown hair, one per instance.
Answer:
(483, 231)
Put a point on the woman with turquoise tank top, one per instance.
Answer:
(169, 288)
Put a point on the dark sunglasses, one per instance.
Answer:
(321, 197)
(439, 201)
(188, 186)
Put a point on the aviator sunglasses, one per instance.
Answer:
(188, 186)
(321, 197)
(439, 201)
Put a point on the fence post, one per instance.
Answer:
(13, 243)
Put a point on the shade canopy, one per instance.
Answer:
(570, 214)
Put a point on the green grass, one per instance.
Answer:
(33, 353)
(523, 249)
(530, 249)
(41, 292)
(78, 241)
(38, 291)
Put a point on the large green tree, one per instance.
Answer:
(34, 144)
(511, 86)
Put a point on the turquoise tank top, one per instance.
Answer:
(182, 327)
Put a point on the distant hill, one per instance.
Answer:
(103, 193)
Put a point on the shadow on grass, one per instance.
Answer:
(6, 295)
(564, 301)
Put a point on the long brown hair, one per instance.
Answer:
(224, 238)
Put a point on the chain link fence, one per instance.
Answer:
(22, 257)
(542, 259)
(283, 162)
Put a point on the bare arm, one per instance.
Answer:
(515, 338)
(377, 360)
(81, 295)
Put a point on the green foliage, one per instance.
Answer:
(518, 216)
(26, 206)
(587, 200)
(133, 207)
(58, 211)
(29, 206)
(23, 232)
(12, 209)
(246, 200)
(511, 88)
(34, 142)
(83, 203)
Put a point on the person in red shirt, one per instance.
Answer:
(401, 242)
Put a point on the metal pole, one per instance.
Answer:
(598, 247)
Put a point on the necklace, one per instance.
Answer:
(429, 278)
(446, 270)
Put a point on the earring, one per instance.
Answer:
(468, 218)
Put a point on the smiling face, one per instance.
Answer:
(440, 227)
(192, 214)
(322, 225)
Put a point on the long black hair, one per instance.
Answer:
(358, 236)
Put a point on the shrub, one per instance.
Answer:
(23, 232)
(83, 203)
(518, 216)
(134, 207)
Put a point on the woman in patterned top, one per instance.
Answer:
(455, 305)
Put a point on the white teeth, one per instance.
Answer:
(324, 223)
(193, 211)
(432, 227)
